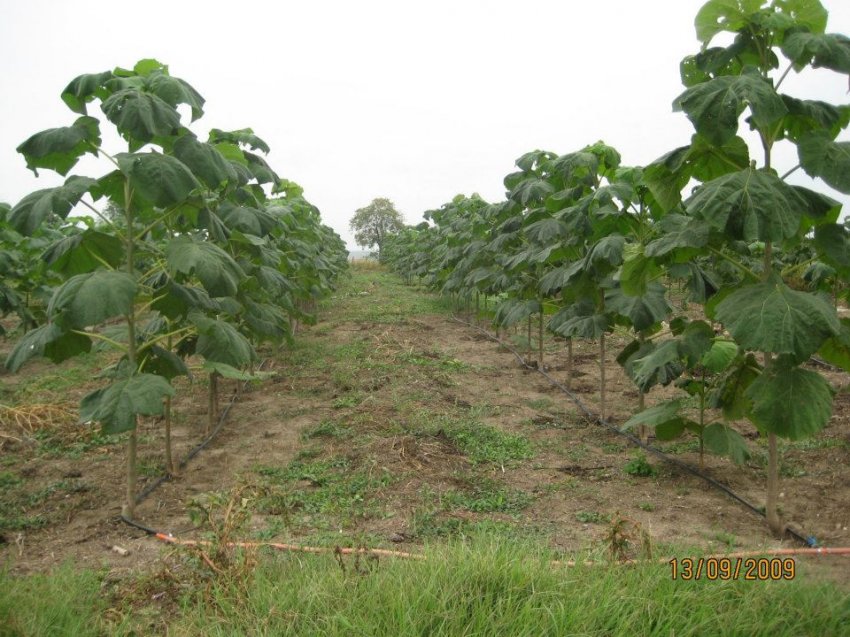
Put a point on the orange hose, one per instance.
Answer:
(419, 556)
(295, 548)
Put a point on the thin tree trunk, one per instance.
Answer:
(212, 403)
(528, 334)
(169, 462)
(602, 375)
(129, 508)
(569, 363)
(771, 508)
(540, 339)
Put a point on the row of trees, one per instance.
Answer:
(192, 248)
(583, 244)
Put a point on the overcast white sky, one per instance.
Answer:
(414, 101)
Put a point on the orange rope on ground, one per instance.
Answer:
(295, 548)
(170, 539)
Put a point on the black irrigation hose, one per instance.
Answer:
(144, 493)
(808, 541)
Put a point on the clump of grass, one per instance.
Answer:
(333, 487)
(481, 442)
(639, 466)
(327, 429)
(592, 517)
(488, 496)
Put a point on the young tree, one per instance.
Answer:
(372, 224)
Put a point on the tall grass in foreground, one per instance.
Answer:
(480, 588)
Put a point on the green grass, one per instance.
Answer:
(68, 601)
(327, 429)
(17, 502)
(479, 441)
(487, 496)
(333, 488)
(57, 381)
(51, 444)
(639, 466)
(483, 586)
(592, 517)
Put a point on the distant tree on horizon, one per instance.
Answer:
(373, 223)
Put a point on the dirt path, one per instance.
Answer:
(366, 435)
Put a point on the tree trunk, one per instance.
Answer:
(212, 403)
(602, 376)
(771, 508)
(540, 338)
(169, 462)
(569, 363)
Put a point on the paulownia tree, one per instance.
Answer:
(172, 258)
(744, 200)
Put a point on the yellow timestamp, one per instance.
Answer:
(733, 568)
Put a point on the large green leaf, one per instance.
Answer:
(632, 359)
(668, 175)
(580, 320)
(637, 272)
(832, 242)
(836, 350)
(808, 14)
(31, 211)
(654, 416)
(789, 401)
(174, 91)
(116, 406)
(546, 231)
(244, 136)
(771, 317)
(608, 251)
(220, 342)
(661, 366)
(266, 321)
(47, 340)
(260, 169)
(806, 116)
(720, 355)
(679, 233)
(642, 311)
(59, 149)
(531, 191)
(162, 362)
(205, 161)
(822, 157)
(89, 299)
(84, 89)
(724, 441)
(750, 204)
(140, 117)
(695, 341)
(827, 50)
(246, 219)
(175, 301)
(84, 252)
(512, 311)
(729, 393)
(216, 270)
(717, 16)
(715, 106)
(160, 179)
